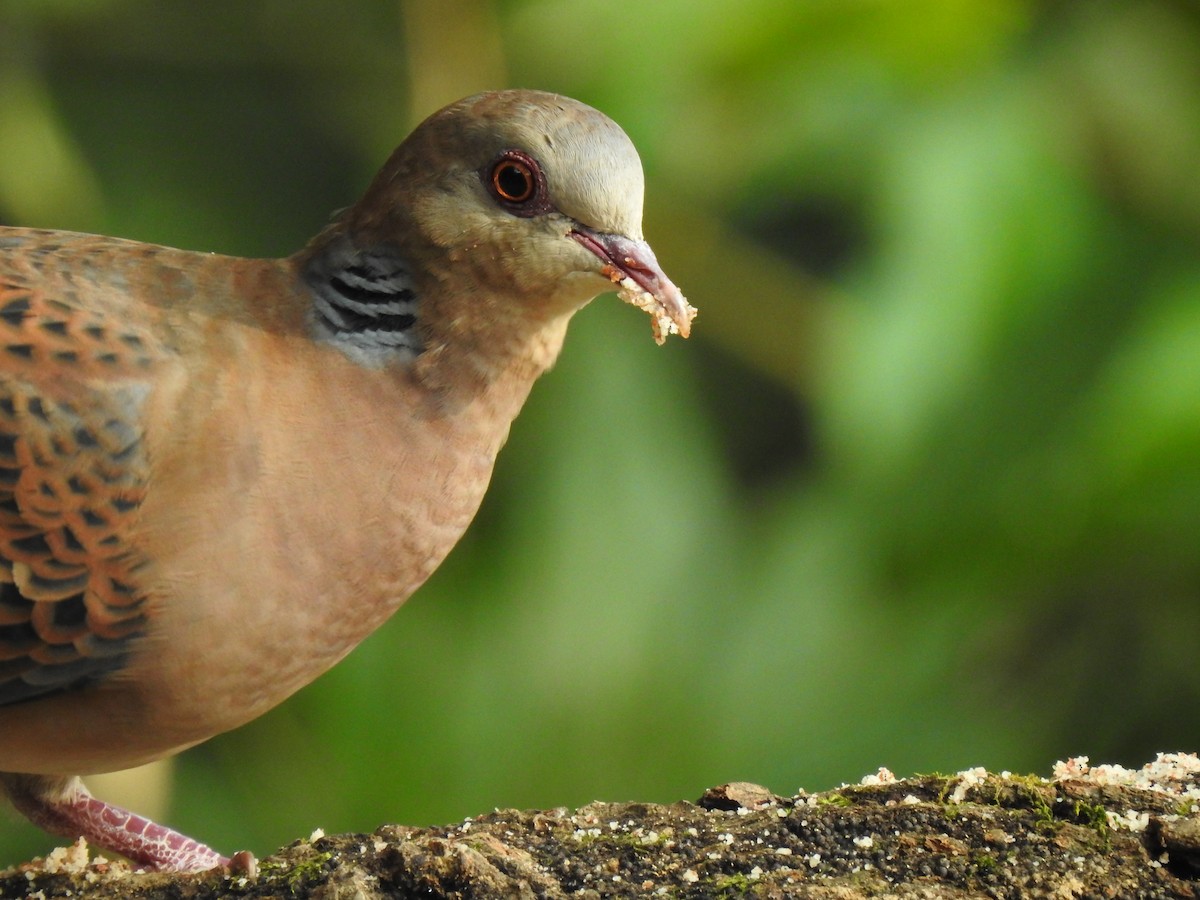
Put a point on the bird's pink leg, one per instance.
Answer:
(63, 806)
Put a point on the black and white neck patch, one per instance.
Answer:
(364, 302)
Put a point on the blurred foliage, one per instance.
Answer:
(923, 489)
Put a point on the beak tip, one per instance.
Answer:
(669, 311)
(640, 281)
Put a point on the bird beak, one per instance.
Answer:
(631, 265)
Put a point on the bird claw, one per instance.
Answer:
(243, 864)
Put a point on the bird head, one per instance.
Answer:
(525, 195)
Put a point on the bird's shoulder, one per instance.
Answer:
(78, 307)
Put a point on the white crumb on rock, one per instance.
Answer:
(881, 776)
(1177, 774)
(968, 779)
(1131, 820)
(70, 860)
(74, 859)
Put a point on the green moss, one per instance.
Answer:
(733, 885)
(1023, 784)
(945, 791)
(307, 870)
(269, 867)
(1095, 817)
(834, 799)
(983, 863)
(1030, 792)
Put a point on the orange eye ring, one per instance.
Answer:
(516, 181)
(513, 180)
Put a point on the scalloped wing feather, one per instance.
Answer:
(74, 368)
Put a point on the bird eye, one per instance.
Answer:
(513, 181)
(516, 180)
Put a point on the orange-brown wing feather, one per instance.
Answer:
(74, 367)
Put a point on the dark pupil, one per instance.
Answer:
(513, 182)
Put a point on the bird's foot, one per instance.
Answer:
(63, 806)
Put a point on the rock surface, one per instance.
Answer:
(1086, 832)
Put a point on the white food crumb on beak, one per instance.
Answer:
(661, 322)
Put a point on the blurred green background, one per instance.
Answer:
(922, 491)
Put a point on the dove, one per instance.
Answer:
(219, 474)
